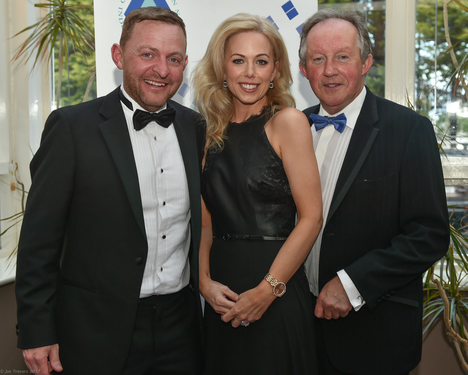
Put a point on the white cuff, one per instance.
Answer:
(353, 294)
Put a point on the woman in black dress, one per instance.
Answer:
(260, 170)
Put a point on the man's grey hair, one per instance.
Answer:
(363, 40)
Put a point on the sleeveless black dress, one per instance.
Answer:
(246, 190)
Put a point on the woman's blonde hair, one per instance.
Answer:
(213, 100)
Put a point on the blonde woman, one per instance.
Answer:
(260, 170)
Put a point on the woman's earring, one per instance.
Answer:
(225, 84)
(272, 85)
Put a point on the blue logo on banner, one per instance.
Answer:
(289, 9)
(135, 4)
(184, 90)
(273, 22)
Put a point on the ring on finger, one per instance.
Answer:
(244, 324)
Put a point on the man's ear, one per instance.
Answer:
(117, 55)
(366, 65)
(303, 69)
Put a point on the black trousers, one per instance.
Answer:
(167, 336)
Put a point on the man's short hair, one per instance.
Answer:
(363, 41)
(149, 14)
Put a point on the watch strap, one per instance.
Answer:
(275, 283)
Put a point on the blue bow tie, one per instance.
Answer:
(339, 122)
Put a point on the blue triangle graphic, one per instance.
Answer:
(135, 4)
(148, 3)
(161, 3)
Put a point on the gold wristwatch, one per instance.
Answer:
(279, 288)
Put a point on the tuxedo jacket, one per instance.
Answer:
(83, 246)
(387, 224)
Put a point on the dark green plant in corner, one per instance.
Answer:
(60, 28)
(445, 284)
(445, 295)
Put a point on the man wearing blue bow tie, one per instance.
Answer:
(384, 207)
(107, 276)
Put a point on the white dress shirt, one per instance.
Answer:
(330, 157)
(165, 202)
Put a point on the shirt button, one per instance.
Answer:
(164, 237)
(162, 170)
(161, 269)
(164, 203)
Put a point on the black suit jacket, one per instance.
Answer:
(83, 245)
(387, 224)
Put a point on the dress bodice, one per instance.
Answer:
(244, 185)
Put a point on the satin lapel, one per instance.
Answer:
(363, 137)
(116, 135)
(315, 110)
(186, 136)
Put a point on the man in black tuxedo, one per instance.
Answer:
(385, 212)
(107, 274)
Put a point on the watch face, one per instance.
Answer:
(279, 289)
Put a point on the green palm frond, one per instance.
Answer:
(61, 20)
(461, 5)
(62, 28)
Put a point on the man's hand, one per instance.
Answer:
(43, 360)
(333, 302)
(219, 296)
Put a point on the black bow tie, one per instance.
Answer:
(143, 118)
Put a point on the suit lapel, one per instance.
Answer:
(363, 137)
(116, 135)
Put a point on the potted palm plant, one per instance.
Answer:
(445, 283)
(60, 28)
(61, 31)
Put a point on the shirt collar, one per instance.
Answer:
(351, 111)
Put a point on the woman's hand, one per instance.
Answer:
(219, 296)
(250, 305)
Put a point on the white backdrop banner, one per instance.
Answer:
(201, 18)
